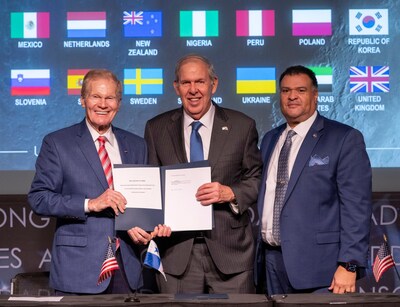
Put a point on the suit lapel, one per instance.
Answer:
(271, 147)
(266, 158)
(126, 156)
(312, 138)
(175, 131)
(219, 136)
(85, 143)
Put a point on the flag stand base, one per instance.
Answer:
(131, 299)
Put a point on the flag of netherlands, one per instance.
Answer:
(312, 23)
(198, 23)
(255, 80)
(369, 79)
(30, 82)
(369, 22)
(75, 80)
(143, 81)
(324, 78)
(86, 24)
(255, 23)
(30, 25)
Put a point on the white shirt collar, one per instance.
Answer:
(302, 128)
(109, 135)
(206, 120)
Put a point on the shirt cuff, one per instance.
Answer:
(86, 205)
(234, 207)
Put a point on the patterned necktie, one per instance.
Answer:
(196, 145)
(105, 161)
(282, 180)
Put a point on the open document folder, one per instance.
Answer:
(163, 195)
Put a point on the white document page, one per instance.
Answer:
(182, 211)
(141, 186)
(36, 299)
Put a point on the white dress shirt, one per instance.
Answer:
(205, 131)
(269, 197)
(111, 145)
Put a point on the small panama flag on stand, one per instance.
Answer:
(110, 263)
(153, 259)
(383, 260)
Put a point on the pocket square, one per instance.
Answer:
(317, 160)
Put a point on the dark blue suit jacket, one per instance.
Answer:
(68, 171)
(327, 211)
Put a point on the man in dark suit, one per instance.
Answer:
(219, 260)
(71, 185)
(318, 240)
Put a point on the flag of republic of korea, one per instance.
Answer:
(255, 23)
(198, 23)
(30, 25)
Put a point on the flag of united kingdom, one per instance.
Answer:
(369, 79)
(133, 18)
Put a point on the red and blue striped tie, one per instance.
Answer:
(105, 161)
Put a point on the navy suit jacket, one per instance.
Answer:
(327, 209)
(68, 171)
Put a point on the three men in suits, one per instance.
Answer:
(319, 239)
(71, 185)
(220, 260)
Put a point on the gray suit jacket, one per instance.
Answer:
(236, 162)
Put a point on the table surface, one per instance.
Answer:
(350, 299)
(148, 300)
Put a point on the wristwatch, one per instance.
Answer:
(350, 267)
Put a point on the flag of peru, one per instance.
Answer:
(255, 23)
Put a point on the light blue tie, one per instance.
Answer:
(196, 145)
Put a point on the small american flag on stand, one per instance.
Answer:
(110, 263)
(383, 261)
